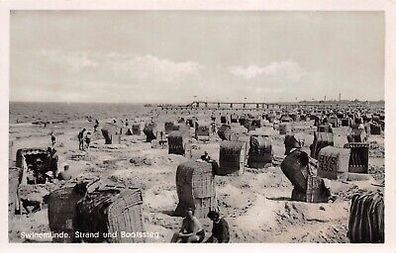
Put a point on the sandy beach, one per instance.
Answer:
(256, 203)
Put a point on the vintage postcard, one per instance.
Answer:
(197, 125)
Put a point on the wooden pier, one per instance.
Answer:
(250, 106)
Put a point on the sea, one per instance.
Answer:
(29, 112)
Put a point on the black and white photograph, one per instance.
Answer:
(197, 126)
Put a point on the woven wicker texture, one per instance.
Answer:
(316, 190)
(136, 129)
(358, 160)
(366, 218)
(177, 141)
(202, 131)
(232, 156)
(260, 151)
(62, 210)
(375, 129)
(321, 140)
(224, 132)
(27, 155)
(125, 214)
(195, 188)
(111, 210)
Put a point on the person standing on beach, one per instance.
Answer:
(96, 125)
(81, 139)
(213, 127)
(53, 139)
(53, 161)
(88, 139)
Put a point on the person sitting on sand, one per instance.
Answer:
(88, 139)
(65, 174)
(220, 229)
(191, 230)
(27, 203)
(38, 169)
(81, 139)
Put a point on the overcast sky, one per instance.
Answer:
(172, 56)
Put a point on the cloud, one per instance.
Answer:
(118, 77)
(74, 60)
(104, 76)
(149, 67)
(287, 70)
(123, 66)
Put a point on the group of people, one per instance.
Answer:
(192, 231)
(84, 139)
(44, 168)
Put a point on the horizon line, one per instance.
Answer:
(199, 101)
